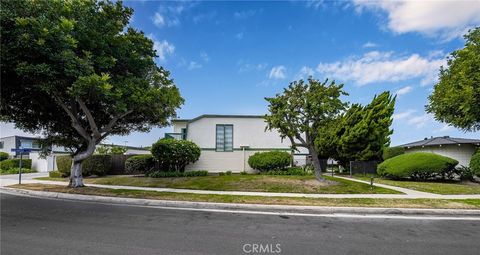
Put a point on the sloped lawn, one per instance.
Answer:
(437, 187)
(260, 183)
(357, 202)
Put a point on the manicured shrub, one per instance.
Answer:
(97, 164)
(55, 174)
(391, 152)
(475, 163)
(418, 166)
(140, 164)
(14, 163)
(465, 173)
(243, 173)
(271, 160)
(15, 170)
(3, 155)
(228, 172)
(174, 155)
(64, 163)
(288, 171)
(161, 174)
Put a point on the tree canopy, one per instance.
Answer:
(300, 112)
(365, 131)
(456, 97)
(77, 72)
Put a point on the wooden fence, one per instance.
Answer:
(118, 163)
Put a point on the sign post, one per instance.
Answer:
(21, 151)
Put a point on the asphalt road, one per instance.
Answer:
(48, 226)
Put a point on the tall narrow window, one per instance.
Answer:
(224, 138)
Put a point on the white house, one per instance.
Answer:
(460, 149)
(226, 141)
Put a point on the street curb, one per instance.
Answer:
(244, 207)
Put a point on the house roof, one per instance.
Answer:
(217, 116)
(442, 140)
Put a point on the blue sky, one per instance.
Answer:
(225, 57)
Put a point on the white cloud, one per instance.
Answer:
(194, 65)
(404, 90)
(444, 128)
(378, 66)
(277, 72)
(305, 72)
(163, 48)
(204, 56)
(246, 14)
(158, 20)
(245, 66)
(239, 36)
(168, 14)
(447, 19)
(403, 115)
(369, 45)
(421, 120)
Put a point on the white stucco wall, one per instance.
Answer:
(42, 164)
(246, 132)
(463, 153)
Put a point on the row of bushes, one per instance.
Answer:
(15, 163)
(97, 164)
(288, 171)
(162, 174)
(3, 156)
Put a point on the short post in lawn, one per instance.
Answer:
(371, 182)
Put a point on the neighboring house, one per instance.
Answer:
(460, 149)
(23, 142)
(226, 141)
(45, 164)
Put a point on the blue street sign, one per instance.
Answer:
(21, 150)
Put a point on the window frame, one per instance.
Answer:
(224, 140)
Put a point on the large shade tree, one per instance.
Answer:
(301, 112)
(456, 97)
(75, 71)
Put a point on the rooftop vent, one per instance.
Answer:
(446, 136)
(425, 138)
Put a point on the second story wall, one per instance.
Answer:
(246, 132)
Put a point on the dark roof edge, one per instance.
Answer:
(217, 116)
(427, 142)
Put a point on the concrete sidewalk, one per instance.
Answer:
(409, 194)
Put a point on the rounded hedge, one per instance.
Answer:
(417, 165)
(271, 160)
(475, 163)
(3, 155)
(391, 152)
(15, 163)
(174, 155)
(140, 164)
(98, 164)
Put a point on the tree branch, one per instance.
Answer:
(90, 119)
(75, 123)
(106, 130)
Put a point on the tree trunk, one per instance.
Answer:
(76, 177)
(316, 164)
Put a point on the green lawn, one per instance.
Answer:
(357, 202)
(262, 183)
(437, 187)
